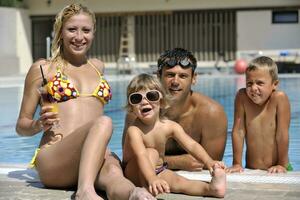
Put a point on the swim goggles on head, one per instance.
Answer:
(151, 96)
(172, 62)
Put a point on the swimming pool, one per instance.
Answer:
(19, 150)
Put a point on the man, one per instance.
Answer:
(200, 116)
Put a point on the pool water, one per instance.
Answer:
(19, 150)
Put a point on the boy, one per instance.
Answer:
(145, 140)
(262, 118)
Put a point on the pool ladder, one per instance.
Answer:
(126, 62)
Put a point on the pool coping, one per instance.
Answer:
(19, 182)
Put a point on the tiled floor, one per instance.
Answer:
(20, 183)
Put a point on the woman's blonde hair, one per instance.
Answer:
(148, 82)
(60, 19)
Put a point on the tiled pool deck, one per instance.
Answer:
(17, 182)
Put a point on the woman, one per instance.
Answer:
(73, 149)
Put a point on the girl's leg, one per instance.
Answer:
(75, 160)
(133, 172)
(179, 184)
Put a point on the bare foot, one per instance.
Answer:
(218, 182)
(87, 194)
(139, 193)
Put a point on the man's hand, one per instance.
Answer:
(235, 168)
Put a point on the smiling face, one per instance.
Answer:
(178, 81)
(77, 35)
(259, 85)
(146, 104)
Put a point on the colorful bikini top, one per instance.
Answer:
(61, 89)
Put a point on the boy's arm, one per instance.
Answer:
(282, 133)
(238, 133)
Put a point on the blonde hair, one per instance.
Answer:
(64, 15)
(264, 62)
(148, 82)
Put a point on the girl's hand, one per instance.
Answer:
(158, 186)
(219, 164)
(47, 117)
(235, 168)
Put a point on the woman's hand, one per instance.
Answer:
(47, 117)
(158, 186)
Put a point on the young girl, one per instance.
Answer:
(145, 139)
(73, 154)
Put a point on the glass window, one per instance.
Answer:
(281, 17)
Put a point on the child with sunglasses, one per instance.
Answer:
(201, 117)
(145, 140)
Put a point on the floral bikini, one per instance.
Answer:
(61, 88)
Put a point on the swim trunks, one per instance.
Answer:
(289, 168)
(162, 168)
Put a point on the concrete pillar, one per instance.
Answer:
(15, 40)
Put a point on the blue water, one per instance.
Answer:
(15, 149)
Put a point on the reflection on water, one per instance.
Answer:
(15, 149)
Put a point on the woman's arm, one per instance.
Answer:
(26, 126)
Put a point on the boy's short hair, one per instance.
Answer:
(264, 62)
(148, 82)
(176, 56)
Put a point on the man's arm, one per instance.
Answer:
(214, 132)
(184, 162)
(212, 136)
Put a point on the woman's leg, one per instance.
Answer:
(92, 156)
(77, 159)
(133, 172)
(117, 187)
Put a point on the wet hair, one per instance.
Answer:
(177, 55)
(266, 63)
(64, 15)
(148, 82)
